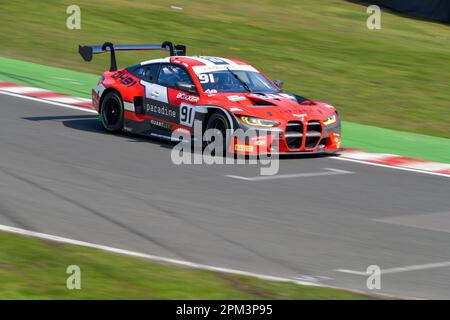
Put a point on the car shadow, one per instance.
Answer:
(287, 157)
(90, 123)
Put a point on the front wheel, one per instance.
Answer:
(217, 126)
(111, 112)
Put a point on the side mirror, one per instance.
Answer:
(187, 87)
(279, 83)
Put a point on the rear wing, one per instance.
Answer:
(87, 52)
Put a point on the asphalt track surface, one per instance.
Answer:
(61, 174)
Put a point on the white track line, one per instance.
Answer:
(358, 273)
(68, 100)
(48, 102)
(329, 172)
(391, 167)
(401, 269)
(23, 90)
(150, 257)
(367, 156)
(433, 166)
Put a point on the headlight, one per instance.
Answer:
(331, 120)
(258, 122)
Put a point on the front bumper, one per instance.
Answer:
(280, 141)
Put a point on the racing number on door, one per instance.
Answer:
(187, 114)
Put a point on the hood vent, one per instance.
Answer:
(263, 103)
(308, 103)
(260, 102)
(304, 101)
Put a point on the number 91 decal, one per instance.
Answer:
(206, 78)
(187, 114)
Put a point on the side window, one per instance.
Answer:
(170, 75)
(148, 73)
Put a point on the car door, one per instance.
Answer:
(156, 109)
(149, 76)
(152, 90)
(182, 103)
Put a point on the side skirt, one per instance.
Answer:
(146, 129)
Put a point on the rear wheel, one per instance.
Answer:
(111, 112)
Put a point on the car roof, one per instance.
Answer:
(204, 64)
(197, 61)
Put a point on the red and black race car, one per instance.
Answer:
(157, 97)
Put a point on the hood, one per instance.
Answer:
(281, 106)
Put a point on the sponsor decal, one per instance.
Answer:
(294, 110)
(124, 79)
(206, 69)
(187, 97)
(211, 91)
(161, 110)
(243, 148)
(160, 124)
(259, 141)
(337, 139)
(236, 110)
(236, 98)
(301, 116)
(214, 60)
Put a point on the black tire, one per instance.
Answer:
(217, 121)
(112, 112)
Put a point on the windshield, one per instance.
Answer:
(236, 81)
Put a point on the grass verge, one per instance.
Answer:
(35, 269)
(355, 135)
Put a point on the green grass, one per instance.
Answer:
(397, 77)
(36, 269)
